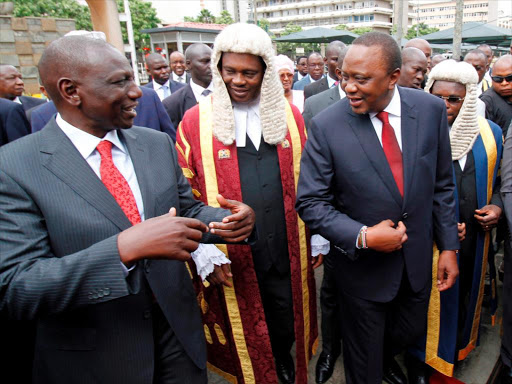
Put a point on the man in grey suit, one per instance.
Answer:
(96, 221)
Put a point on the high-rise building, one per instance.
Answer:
(441, 15)
(376, 14)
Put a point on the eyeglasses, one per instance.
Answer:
(499, 79)
(451, 99)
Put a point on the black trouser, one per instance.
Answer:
(276, 296)
(506, 342)
(373, 332)
(329, 305)
(172, 363)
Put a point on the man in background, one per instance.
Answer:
(315, 71)
(177, 61)
(414, 68)
(197, 58)
(12, 88)
(485, 48)
(302, 69)
(424, 46)
(331, 59)
(159, 70)
(478, 60)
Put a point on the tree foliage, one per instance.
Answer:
(420, 29)
(205, 16)
(143, 14)
(358, 31)
(68, 9)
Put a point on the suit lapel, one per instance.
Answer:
(409, 127)
(364, 131)
(65, 162)
(139, 155)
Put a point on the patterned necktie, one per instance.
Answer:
(206, 92)
(116, 183)
(392, 151)
(180, 79)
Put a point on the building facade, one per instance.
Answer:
(442, 14)
(376, 14)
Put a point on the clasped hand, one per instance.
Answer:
(173, 237)
(384, 237)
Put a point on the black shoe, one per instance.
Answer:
(285, 370)
(325, 367)
(417, 370)
(505, 375)
(393, 373)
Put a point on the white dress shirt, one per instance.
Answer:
(299, 76)
(247, 121)
(198, 90)
(86, 144)
(394, 110)
(17, 100)
(331, 81)
(175, 77)
(159, 88)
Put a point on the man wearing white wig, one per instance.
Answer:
(245, 142)
(476, 146)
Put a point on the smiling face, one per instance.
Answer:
(367, 79)
(11, 83)
(177, 61)
(451, 89)
(105, 93)
(243, 74)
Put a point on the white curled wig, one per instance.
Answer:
(251, 39)
(465, 128)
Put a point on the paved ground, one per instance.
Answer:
(476, 369)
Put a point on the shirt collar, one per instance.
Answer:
(175, 77)
(394, 107)
(17, 100)
(158, 85)
(85, 142)
(253, 106)
(197, 89)
(330, 81)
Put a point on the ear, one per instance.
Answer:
(393, 78)
(69, 91)
(187, 65)
(339, 74)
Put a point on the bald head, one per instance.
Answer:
(331, 57)
(478, 60)
(158, 68)
(436, 59)
(422, 45)
(154, 58)
(70, 57)
(177, 61)
(414, 68)
(501, 73)
(197, 59)
(11, 83)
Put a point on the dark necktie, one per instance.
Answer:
(116, 183)
(206, 92)
(392, 151)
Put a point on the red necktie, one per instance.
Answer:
(116, 183)
(392, 151)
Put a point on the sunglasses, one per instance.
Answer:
(451, 99)
(499, 79)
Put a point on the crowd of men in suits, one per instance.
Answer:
(134, 255)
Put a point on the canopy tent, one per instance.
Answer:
(318, 35)
(476, 33)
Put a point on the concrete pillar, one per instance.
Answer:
(105, 18)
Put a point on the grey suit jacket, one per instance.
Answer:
(317, 103)
(60, 263)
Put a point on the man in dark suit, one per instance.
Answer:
(108, 219)
(158, 68)
(302, 69)
(13, 122)
(331, 59)
(12, 88)
(331, 332)
(315, 71)
(198, 64)
(150, 114)
(177, 62)
(382, 192)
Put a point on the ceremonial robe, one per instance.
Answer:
(441, 348)
(234, 322)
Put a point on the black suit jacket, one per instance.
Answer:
(178, 103)
(316, 87)
(317, 103)
(13, 122)
(30, 102)
(346, 182)
(61, 265)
